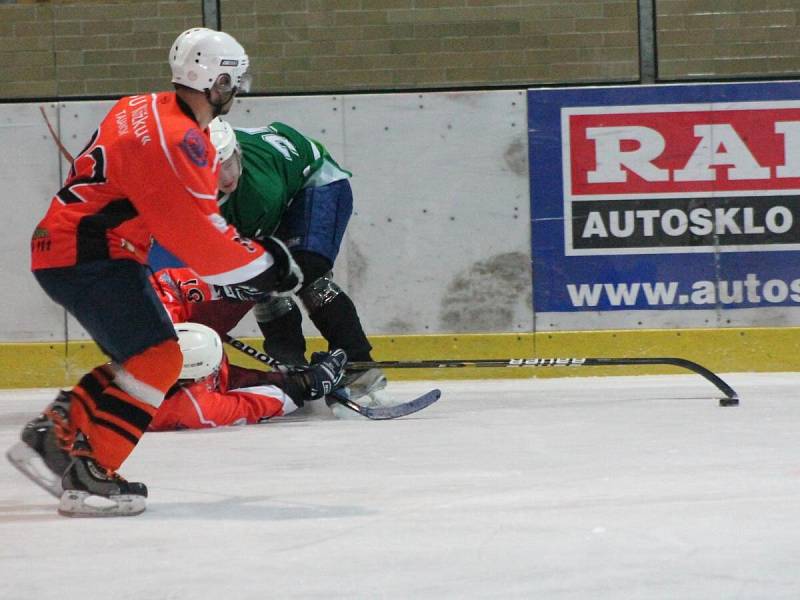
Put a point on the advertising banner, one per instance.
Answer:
(664, 198)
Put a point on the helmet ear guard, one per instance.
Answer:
(202, 350)
(203, 59)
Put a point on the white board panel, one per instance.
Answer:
(440, 236)
(440, 240)
(29, 171)
(440, 179)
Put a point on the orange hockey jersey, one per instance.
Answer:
(147, 171)
(238, 396)
(188, 298)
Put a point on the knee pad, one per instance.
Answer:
(312, 264)
(273, 308)
(319, 292)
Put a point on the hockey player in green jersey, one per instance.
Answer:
(276, 181)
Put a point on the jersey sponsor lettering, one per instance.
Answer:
(40, 240)
(139, 117)
(681, 178)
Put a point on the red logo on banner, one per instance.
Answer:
(690, 152)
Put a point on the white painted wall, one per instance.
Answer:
(440, 241)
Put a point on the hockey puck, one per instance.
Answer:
(729, 402)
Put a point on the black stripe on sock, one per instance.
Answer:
(100, 422)
(124, 410)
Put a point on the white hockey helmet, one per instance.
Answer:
(223, 138)
(201, 348)
(199, 56)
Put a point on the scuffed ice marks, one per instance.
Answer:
(487, 296)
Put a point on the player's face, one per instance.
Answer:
(225, 108)
(229, 172)
(223, 92)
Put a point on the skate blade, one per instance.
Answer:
(76, 503)
(28, 462)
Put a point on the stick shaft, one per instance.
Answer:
(683, 363)
(552, 362)
(64, 152)
(250, 351)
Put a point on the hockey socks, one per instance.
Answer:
(113, 405)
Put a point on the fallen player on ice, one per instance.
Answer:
(211, 392)
(188, 298)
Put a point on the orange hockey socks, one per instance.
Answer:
(113, 405)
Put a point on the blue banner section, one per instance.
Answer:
(665, 197)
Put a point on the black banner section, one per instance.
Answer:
(685, 222)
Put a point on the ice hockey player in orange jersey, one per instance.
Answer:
(149, 171)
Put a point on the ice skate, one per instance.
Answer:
(364, 387)
(92, 491)
(363, 383)
(42, 454)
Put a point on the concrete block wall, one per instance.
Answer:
(64, 48)
(701, 39)
(323, 45)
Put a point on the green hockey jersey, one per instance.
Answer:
(277, 163)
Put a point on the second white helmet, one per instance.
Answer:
(199, 56)
(223, 138)
(202, 350)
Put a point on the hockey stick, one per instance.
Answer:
(731, 397)
(64, 152)
(376, 413)
(252, 352)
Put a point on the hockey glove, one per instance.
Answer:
(289, 277)
(324, 373)
(283, 278)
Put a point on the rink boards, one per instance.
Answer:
(459, 246)
(28, 365)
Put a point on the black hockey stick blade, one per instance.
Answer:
(377, 413)
(382, 413)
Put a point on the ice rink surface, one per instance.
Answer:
(579, 488)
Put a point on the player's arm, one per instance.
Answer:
(177, 201)
(196, 407)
